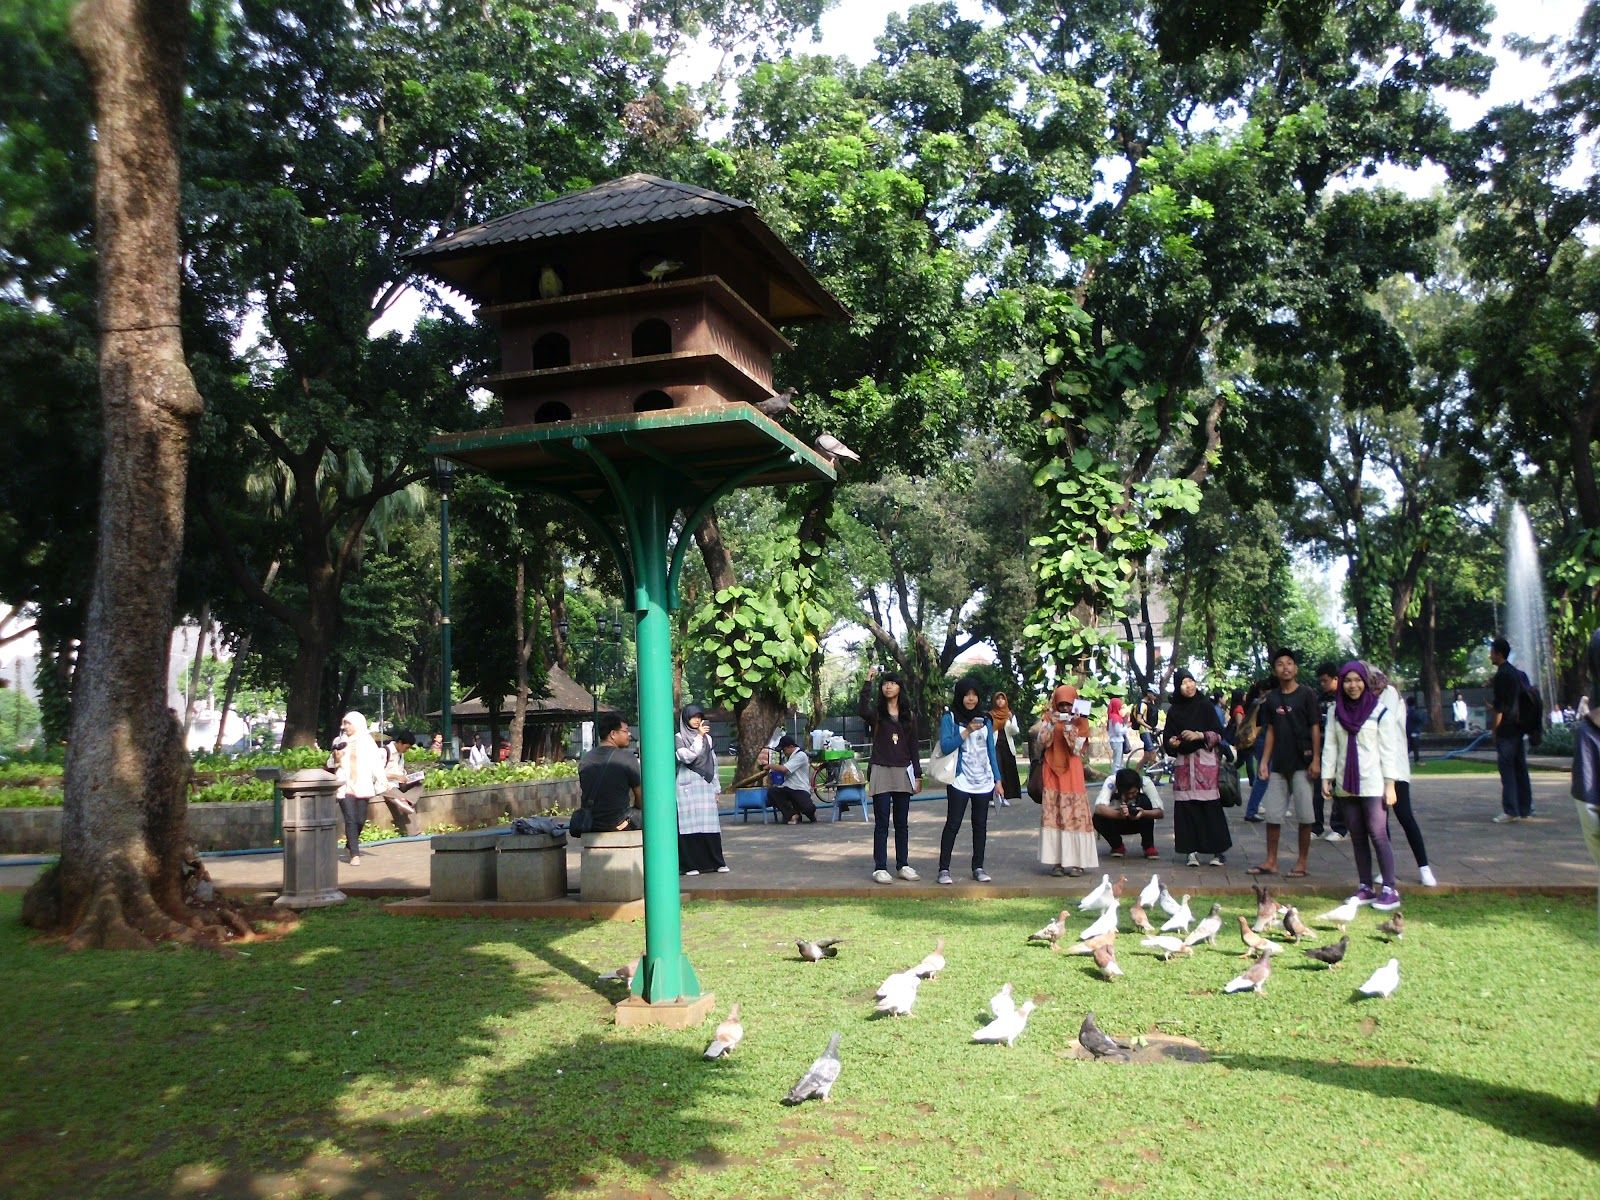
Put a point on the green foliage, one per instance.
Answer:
(755, 640)
(232, 791)
(521, 772)
(19, 716)
(302, 758)
(29, 797)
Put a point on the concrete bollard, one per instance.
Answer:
(531, 866)
(612, 869)
(310, 841)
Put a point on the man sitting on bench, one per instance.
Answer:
(1128, 803)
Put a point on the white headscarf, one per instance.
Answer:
(361, 767)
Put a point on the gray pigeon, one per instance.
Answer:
(1208, 928)
(832, 448)
(729, 1034)
(819, 1080)
(1331, 955)
(820, 949)
(1100, 1044)
(778, 404)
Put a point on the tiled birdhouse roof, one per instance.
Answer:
(632, 202)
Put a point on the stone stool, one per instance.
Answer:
(462, 869)
(612, 869)
(531, 866)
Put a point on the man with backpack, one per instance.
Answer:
(1507, 700)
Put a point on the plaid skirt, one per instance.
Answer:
(697, 803)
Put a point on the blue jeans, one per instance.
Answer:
(1516, 789)
(1258, 786)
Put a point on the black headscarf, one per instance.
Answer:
(962, 715)
(1195, 712)
(1594, 663)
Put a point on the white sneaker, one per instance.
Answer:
(944, 877)
(1333, 835)
(909, 873)
(882, 877)
(691, 872)
(1194, 860)
(1425, 874)
(980, 875)
(722, 870)
(1504, 819)
(355, 860)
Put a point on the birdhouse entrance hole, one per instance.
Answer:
(552, 410)
(652, 402)
(552, 350)
(653, 336)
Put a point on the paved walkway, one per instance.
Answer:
(835, 859)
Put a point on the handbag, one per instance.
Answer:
(1228, 785)
(942, 768)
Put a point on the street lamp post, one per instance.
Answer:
(607, 632)
(444, 475)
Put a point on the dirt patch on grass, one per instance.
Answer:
(1121, 1189)
(1158, 1048)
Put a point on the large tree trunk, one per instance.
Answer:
(120, 878)
(1432, 691)
(519, 708)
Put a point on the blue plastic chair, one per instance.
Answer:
(850, 793)
(748, 800)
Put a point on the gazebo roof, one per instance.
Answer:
(564, 700)
(634, 201)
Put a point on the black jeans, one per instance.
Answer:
(1516, 788)
(1408, 822)
(354, 809)
(1114, 829)
(883, 804)
(958, 803)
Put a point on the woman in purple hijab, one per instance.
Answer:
(1359, 768)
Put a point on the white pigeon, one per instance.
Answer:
(1384, 980)
(1167, 944)
(1342, 915)
(1208, 928)
(930, 966)
(833, 448)
(1007, 1027)
(1168, 904)
(1096, 900)
(1002, 1002)
(899, 993)
(1181, 917)
(892, 982)
(1151, 892)
(1106, 922)
(728, 1035)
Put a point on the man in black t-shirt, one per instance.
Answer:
(1511, 752)
(1289, 761)
(608, 778)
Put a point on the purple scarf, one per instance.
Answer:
(1352, 715)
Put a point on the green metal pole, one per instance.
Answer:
(667, 975)
(449, 756)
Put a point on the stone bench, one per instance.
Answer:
(462, 868)
(612, 869)
(531, 866)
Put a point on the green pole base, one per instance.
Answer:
(665, 980)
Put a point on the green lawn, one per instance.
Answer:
(373, 1056)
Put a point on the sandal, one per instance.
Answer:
(1262, 871)
(1297, 874)
(1075, 871)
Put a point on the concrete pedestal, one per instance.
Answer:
(612, 869)
(310, 841)
(669, 1014)
(531, 866)
(462, 867)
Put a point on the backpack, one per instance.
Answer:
(1529, 710)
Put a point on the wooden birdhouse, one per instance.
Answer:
(631, 297)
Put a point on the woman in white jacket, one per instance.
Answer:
(1360, 766)
(361, 776)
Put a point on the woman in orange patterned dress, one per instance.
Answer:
(1066, 831)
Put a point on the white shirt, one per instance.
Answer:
(1108, 793)
(975, 775)
(797, 771)
(1460, 710)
